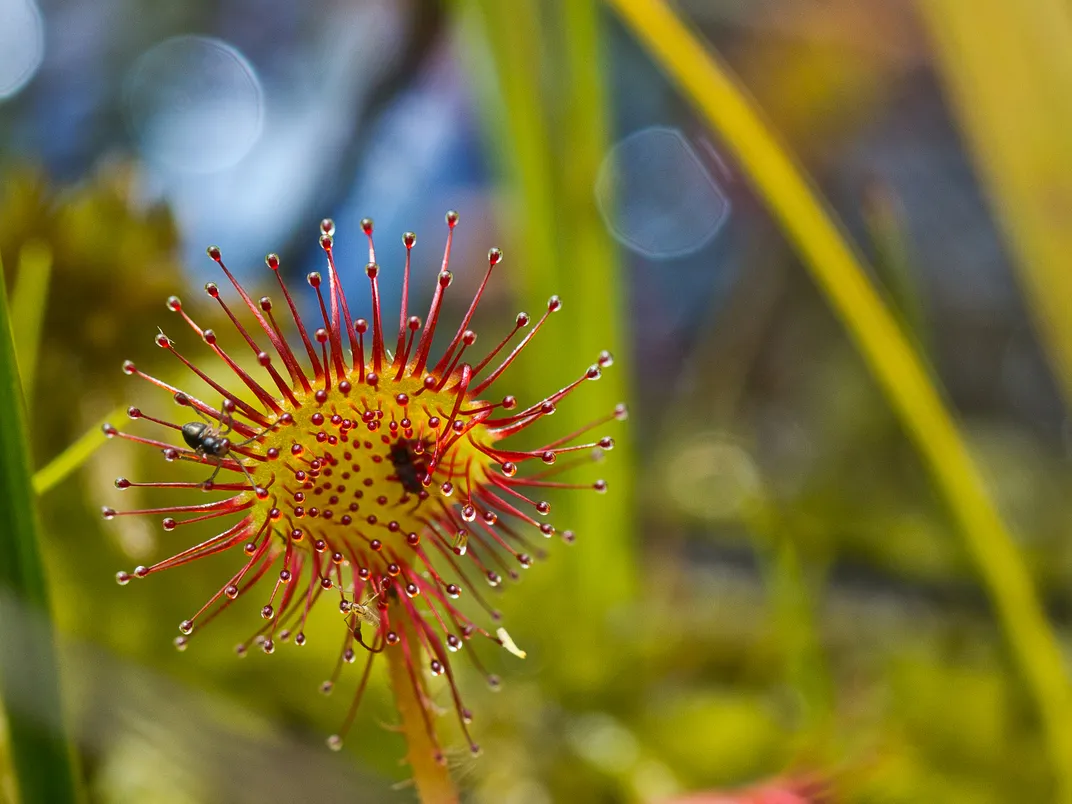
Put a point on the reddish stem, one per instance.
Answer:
(432, 779)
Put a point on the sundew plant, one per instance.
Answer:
(384, 482)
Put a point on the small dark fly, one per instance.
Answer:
(407, 458)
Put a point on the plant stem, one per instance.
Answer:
(794, 607)
(431, 777)
(590, 271)
(29, 674)
(550, 143)
(80, 451)
(841, 276)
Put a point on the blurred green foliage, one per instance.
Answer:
(114, 261)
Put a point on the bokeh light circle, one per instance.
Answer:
(657, 197)
(712, 477)
(194, 104)
(22, 44)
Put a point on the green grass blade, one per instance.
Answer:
(563, 248)
(80, 451)
(56, 470)
(841, 276)
(29, 298)
(29, 674)
(884, 220)
(589, 270)
(794, 589)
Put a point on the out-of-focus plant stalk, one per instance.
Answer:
(80, 451)
(566, 251)
(29, 675)
(884, 219)
(793, 600)
(841, 276)
(1007, 68)
(589, 268)
(431, 778)
(29, 299)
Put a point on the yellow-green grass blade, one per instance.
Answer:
(884, 220)
(60, 467)
(78, 452)
(29, 299)
(589, 270)
(563, 249)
